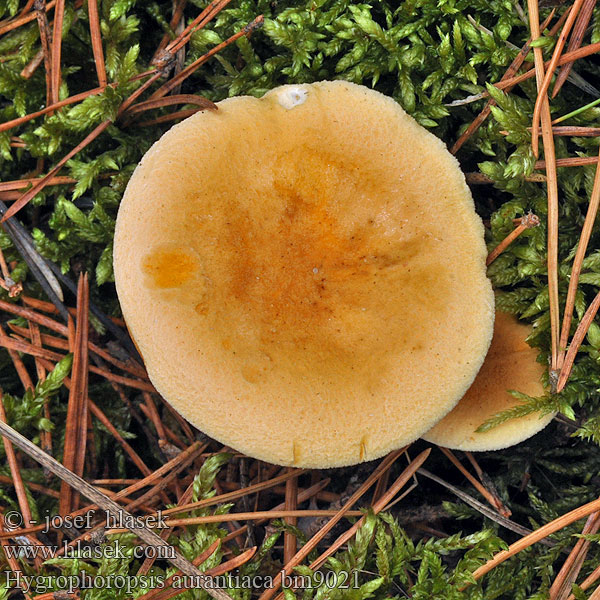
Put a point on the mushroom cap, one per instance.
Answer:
(509, 365)
(304, 274)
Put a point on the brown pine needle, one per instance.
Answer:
(56, 342)
(41, 184)
(570, 130)
(575, 344)
(147, 536)
(567, 57)
(291, 504)
(96, 37)
(77, 408)
(36, 487)
(180, 114)
(19, 184)
(15, 471)
(234, 563)
(482, 179)
(16, 359)
(588, 581)
(10, 559)
(527, 222)
(70, 100)
(562, 585)
(379, 506)
(175, 20)
(383, 466)
(154, 417)
(584, 239)
(247, 516)
(583, 19)
(59, 15)
(46, 41)
(493, 501)
(487, 109)
(552, 185)
(211, 11)
(202, 557)
(544, 86)
(537, 535)
(36, 340)
(170, 100)
(576, 161)
(185, 73)
(236, 494)
(22, 19)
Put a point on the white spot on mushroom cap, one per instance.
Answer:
(291, 97)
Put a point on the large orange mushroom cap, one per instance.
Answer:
(304, 274)
(510, 365)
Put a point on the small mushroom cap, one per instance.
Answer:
(510, 365)
(304, 274)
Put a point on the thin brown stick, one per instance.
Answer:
(236, 494)
(527, 222)
(97, 42)
(575, 161)
(180, 114)
(476, 484)
(570, 131)
(77, 408)
(248, 516)
(537, 535)
(567, 57)
(48, 109)
(56, 342)
(36, 340)
(204, 103)
(211, 11)
(487, 109)
(584, 239)
(31, 315)
(59, 15)
(575, 344)
(15, 471)
(383, 466)
(16, 360)
(291, 504)
(36, 487)
(110, 506)
(20, 184)
(552, 185)
(380, 505)
(31, 67)
(46, 41)
(545, 84)
(588, 581)
(185, 73)
(10, 559)
(561, 587)
(19, 345)
(583, 19)
(175, 20)
(41, 184)
(23, 19)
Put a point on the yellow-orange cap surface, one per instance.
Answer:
(304, 274)
(510, 365)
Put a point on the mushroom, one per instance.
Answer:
(510, 365)
(304, 274)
